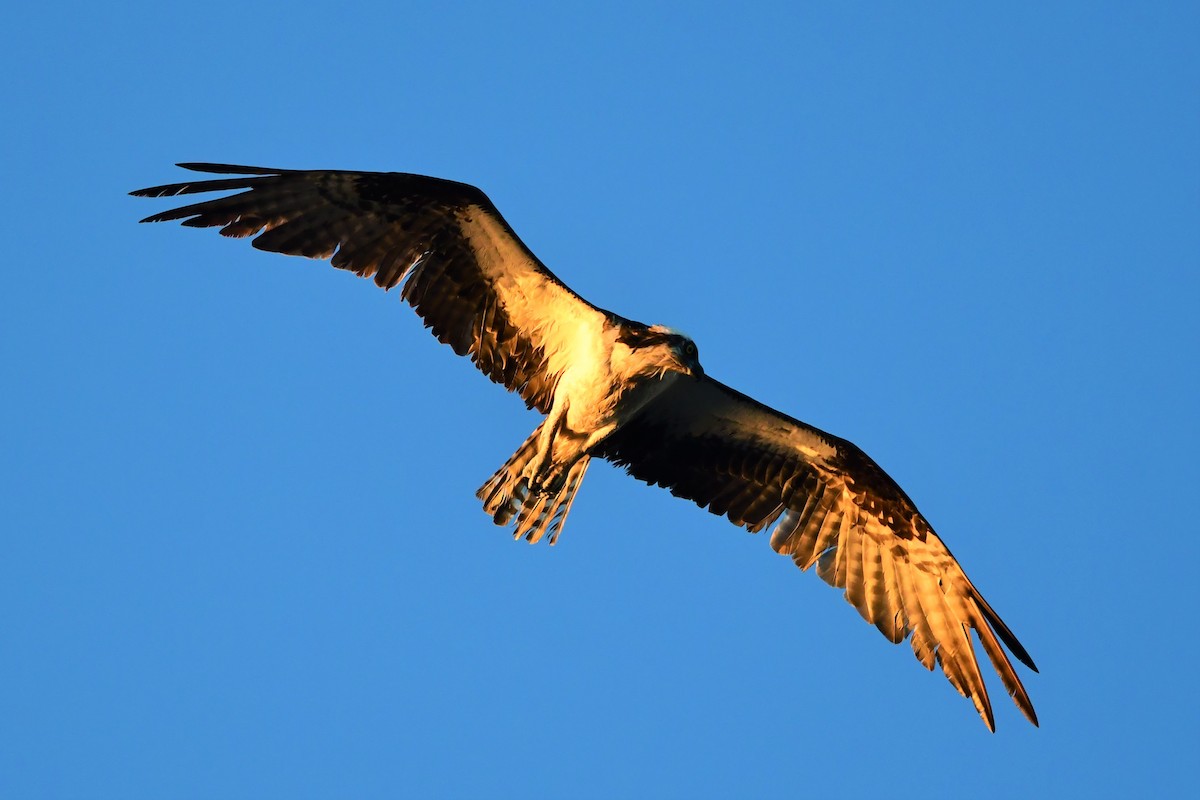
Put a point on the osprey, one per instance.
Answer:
(616, 389)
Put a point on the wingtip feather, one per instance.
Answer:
(230, 169)
(1006, 635)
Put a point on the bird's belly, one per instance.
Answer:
(590, 413)
(598, 407)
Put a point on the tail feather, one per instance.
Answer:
(505, 491)
(507, 495)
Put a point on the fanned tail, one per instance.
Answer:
(507, 495)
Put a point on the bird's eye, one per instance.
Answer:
(690, 348)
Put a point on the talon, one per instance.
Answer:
(550, 482)
(554, 482)
(531, 476)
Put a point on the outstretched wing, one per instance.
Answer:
(832, 506)
(464, 270)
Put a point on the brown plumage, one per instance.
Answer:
(629, 393)
(832, 507)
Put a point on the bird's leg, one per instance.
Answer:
(534, 469)
(569, 449)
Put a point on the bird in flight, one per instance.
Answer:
(616, 389)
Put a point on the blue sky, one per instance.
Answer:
(241, 552)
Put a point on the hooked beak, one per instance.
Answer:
(697, 371)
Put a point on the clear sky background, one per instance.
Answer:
(241, 553)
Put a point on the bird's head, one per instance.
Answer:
(660, 350)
